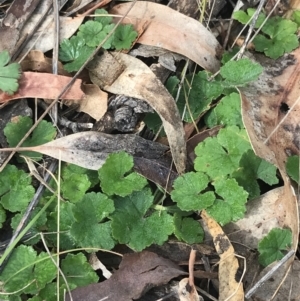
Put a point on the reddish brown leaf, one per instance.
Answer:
(44, 85)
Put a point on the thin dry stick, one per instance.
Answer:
(192, 260)
(264, 22)
(251, 28)
(58, 225)
(55, 52)
(269, 274)
(68, 86)
(58, 268)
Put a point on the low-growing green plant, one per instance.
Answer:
(221, 163)
(124, 211)
(115, 205)
(278, 35)
(271, 247)
(9, 74)
(43, 133)
(199, 91)
(76, 50)
(292, 168)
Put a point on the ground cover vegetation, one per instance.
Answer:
(116, 205)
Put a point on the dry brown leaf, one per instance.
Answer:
(88, 6)
(278, 93)
(94, 103)
(137, 273)
(36, 61)
(90, 149)
(229, 288)
(274, 132)
(44, 85)
(263, 112)
(174, 31)
(135, 79)
(263, 214)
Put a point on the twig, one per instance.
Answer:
(58, 268)
(55, 52)
(251, 28)
(269, 274)
(192, 260)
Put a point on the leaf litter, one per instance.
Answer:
(261, 115)
(137, 273)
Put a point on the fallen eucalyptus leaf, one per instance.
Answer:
(271, 118)
(44, 85)
(90, 149)
(138, 81)
(185, 36)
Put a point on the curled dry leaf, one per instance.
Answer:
(44, 85)
(174, 31)
(229, 288)
(90, 149)
(272, 116)
(135, 79)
